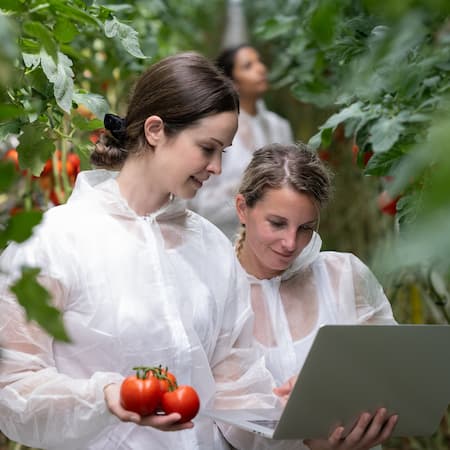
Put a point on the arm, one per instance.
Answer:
(37, 403)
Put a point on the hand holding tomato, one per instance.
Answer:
(169, 422)
(144, 397)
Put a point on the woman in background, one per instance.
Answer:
(257, 127)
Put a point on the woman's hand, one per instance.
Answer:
(368, 432)
(163, 422)
(284, 391)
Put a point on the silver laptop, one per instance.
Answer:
(355, 368)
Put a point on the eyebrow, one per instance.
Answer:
(217, 140)
(313, 221)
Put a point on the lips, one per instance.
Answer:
(198, 181)
(284, 255)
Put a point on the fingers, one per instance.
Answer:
(387, 429)
(336, 437)
(286, 388)
(371, 431)
(165, 422)
(358, 431)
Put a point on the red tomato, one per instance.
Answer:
(355, 151)
(366, 157)
(387, 204)
(48, 167)
(167, 380)
(13, 156)
(183, 400)
(141, 395)
(74, 160)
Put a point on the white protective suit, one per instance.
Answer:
(160, 289)
(333, 288)
(215, 200)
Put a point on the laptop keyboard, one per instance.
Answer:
(272, 424)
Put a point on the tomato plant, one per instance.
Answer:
(140, 392)
(183, 400)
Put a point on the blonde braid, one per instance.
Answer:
(239, 241)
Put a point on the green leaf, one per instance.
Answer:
(36, 301)
(9, 128)
(84, 124)
(381, 163)
(323, 21)
(13, 6)
(315, 141)
(20, 227)
(276, 27)
(94, 102)
(127, 35)
(385, 132)
(44, 37)
(34, 148)
(61, 75)
(65, 30)
(72, 13)
(8, 112)
(7, 176)
(351, 112)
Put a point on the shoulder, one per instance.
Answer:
(274, 117)
(340, 261)
(208, 233)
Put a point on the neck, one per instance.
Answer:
(252, 265)
(140, 186)
(248, 105)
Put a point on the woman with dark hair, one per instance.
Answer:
(134, 275)
(295, 287)
(257, 127)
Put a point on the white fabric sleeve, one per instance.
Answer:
(372, 305)
(242, 379)
(40, 407)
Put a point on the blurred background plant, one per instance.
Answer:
(365, 82)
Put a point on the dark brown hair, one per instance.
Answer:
(181, 90)
(275, 165)
(227, 59)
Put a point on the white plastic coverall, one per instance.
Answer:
(319, 288)
(133, 290)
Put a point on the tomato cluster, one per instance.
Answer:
(154, 389)
(53, 169)
(50, 181)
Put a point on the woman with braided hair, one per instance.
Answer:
(295, 287)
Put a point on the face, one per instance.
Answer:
(249, 73)
(278, 228)
(188, 159)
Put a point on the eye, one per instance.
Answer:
(306, 228)
(208, 150)
(276, 224)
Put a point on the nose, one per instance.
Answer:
(262, 67)
(289, 241)
(215, 164)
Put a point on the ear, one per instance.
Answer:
(241, 208)
(153, 129)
